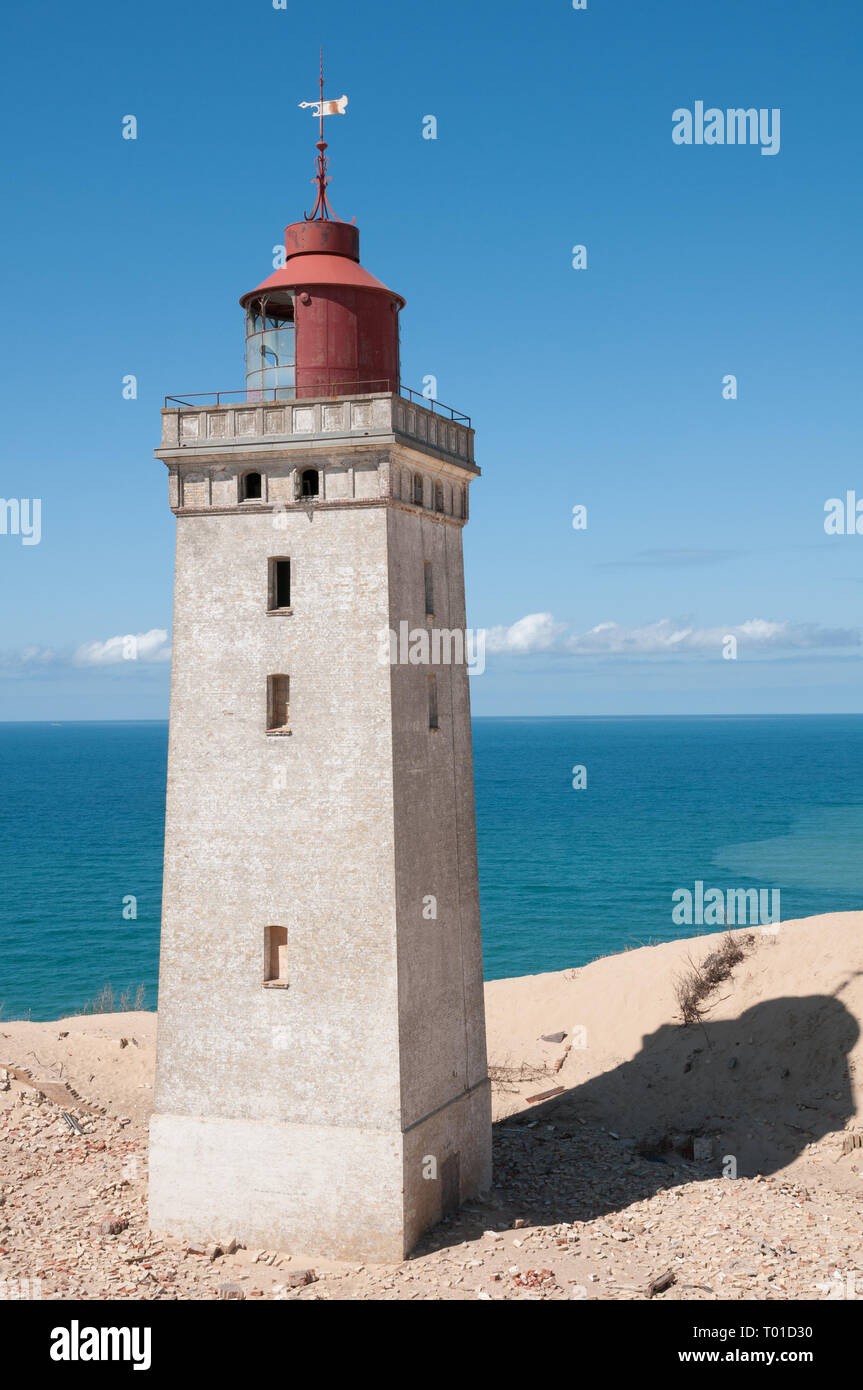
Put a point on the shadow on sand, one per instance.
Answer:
(755, 1090)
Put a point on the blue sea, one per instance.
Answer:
(566, 874)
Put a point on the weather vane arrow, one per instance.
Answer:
(326, 108)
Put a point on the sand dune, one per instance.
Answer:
(623, 1170)
(777, 1062)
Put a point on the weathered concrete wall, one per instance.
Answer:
(441, 1007)
(294, 831)
(458, 1139)
(440, 964)
(298, 1117)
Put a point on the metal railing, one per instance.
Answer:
(325, 390)
(434, 406)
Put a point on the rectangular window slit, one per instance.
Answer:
(278, 702)
(276, 957)
(429, 583)
(279, 595)
(433, 719)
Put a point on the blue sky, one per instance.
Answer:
(600, 387)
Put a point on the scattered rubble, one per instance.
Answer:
(574, 1213)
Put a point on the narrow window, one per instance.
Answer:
(309, 483)
(278, 706)
(250, 487)
(279, 595)
(418, 489)
(433, 720)
(429, 583)
(438, 497)
(276, 958)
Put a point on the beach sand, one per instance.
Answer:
(723, 1157)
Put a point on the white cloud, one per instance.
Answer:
(540, 632)
(37, 656)
(139, 646)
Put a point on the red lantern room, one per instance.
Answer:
(321, 324)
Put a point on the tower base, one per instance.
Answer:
(344, 1194)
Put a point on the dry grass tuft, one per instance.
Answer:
(107, 1002)
(693, 988)
(509, 1076)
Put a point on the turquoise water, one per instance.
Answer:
(565, 875)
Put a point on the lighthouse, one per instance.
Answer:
(321, 1081)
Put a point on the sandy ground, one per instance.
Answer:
(723, 1159)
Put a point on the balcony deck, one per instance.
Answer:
(201, 425)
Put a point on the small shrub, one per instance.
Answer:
(695, 985)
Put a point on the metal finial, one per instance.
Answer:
(322, 209)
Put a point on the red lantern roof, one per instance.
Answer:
(321, 252)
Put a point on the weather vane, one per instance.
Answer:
(320, 109)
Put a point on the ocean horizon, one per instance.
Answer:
(587, 826)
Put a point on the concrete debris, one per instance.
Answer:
(546, 1095)
(660, 1283)
(113, 1227)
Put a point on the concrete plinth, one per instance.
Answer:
(340, 1193)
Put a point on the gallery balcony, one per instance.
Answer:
(258, 421)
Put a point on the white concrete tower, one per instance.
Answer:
(321, 1081)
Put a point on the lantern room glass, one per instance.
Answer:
(270, 351)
